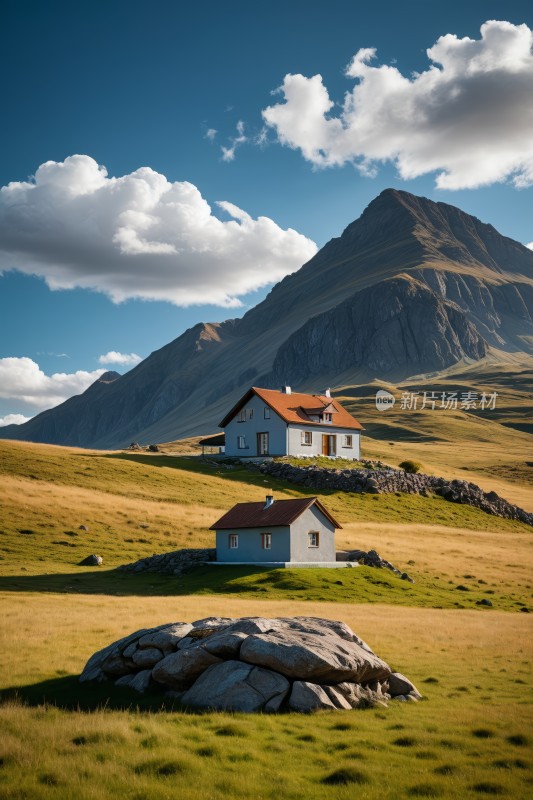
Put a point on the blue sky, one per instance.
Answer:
(138, 84)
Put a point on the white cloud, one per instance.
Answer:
(468, 117)
(139, 236)
(13, 419)
(114, 357)
(21, 379)
(530, 245)
(228, 153)
(211, 133)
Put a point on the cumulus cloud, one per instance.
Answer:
(21, 379)
(530, 245)
(468, 116)
(139, 236)
(114, 357)
(211, 134)
(13, 419)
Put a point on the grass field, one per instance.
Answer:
(469, 737)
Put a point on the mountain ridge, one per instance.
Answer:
(407, 270)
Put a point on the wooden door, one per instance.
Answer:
(329, 444)
(262, 444)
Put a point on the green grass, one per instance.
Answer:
(359, 585)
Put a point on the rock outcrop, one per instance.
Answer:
(252, 664)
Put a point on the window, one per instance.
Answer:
(307, 437)
(233, 541)
(242, 416)
(266, 541)
(327, 417)
(312, 539)
(250, 413)
(348, 441)
(266, 412)
(241, 442)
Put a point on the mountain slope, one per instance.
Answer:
(411, 286)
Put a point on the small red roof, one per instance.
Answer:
(296, 406)
(279, 513)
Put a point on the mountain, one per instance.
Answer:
(410, 287)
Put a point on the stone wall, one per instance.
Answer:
(174, 563)
(383, 479)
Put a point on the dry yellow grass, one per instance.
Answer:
(493, 556)
(43, 636)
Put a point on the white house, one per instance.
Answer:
(297, 532)
(266, 422)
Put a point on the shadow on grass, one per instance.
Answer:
(236, 473)
(68, 693)
(201, 580)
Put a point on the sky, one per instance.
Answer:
(166, 163)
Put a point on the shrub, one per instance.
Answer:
(411, 466)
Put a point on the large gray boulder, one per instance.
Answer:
(252, 664)
(179, 670)
(306, 656)
(235, 686)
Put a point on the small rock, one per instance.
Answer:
(92, 561)
(83, 528)
(400, 685)
(307, 697)
(484, 602)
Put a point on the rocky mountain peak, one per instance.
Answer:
(108, 377)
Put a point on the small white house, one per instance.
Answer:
(266, 422)
(297, 532)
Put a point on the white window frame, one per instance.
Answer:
(348, 440)
(266, 413)
(313, 539)
(250, 413)
(233, 541)
(327, 417)
(241, 442)
(242, 415)
(266, 541)
(305, 435)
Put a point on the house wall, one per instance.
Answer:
(296, 448)
(275, 426)
(250, 550)
(312, 520)
(288, 543)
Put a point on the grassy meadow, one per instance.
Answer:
(469, 737)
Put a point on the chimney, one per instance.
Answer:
(327, 393)
(269, 501)
(286, 389)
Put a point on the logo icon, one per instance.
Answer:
(384, 400)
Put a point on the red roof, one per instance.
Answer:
(279, 513)
(296, 407)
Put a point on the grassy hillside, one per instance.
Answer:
(469, 737)
(135, 504)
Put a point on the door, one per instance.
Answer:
(329, 444)
(262, 444)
